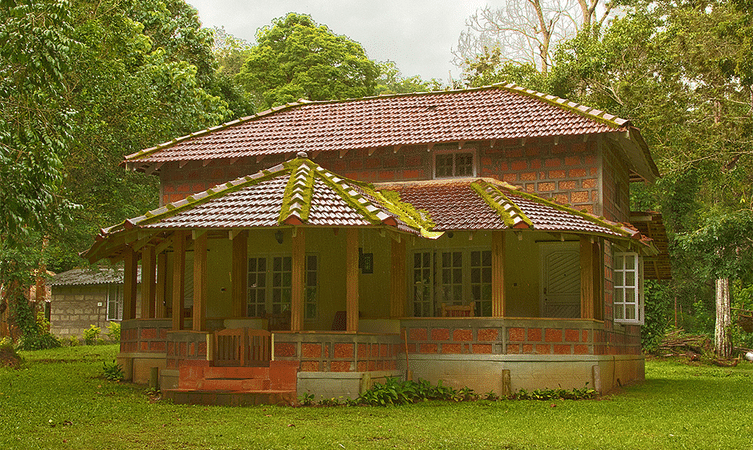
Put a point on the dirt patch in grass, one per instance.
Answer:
(9, 358)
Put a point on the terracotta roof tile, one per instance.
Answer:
(495, 112)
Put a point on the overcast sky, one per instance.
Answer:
(417, 34)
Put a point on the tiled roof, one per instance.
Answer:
(483, 204)
(489, 113)
(302, 193)
(95, 276)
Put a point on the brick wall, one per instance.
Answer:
(513, 336)
(338, 352)
(565, 170)
(144, 336)
(184, 346)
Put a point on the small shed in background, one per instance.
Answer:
(84, 297)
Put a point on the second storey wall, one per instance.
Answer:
(569, 170)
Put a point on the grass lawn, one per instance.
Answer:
(59, 400)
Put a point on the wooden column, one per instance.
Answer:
(398, 291)
(148, 282)
(598, 277)
(239, 274)
(160, 307)
(498, 274)
(200, 282)
(298, 280)
(129, 284)
(586, 278)
(351, 280)
(179, 278)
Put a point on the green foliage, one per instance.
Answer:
(114, 331)
(584, 393)
(391, 81)
(91, 335)
(397, 392)
(297, 58)
(658, 312)
(112, 371)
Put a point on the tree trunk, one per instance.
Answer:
(722, 343)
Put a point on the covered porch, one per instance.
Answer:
(295, 280)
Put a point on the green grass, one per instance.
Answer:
(60, 400)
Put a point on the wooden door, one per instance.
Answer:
(560, 282)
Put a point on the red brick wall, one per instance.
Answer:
(338, 353)
(564, 170)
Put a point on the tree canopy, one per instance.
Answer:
(297, 58)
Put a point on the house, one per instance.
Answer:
(479, 237)
(84, 297)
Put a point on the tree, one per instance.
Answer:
(133, 84)
(724, 245)
(391, 81)
(525, 32)
(35, 133)
(297, 58)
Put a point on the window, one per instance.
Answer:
(628, 288)
(454, 164)
(270, 280)
(114, 303)
(454, 277)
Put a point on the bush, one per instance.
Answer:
(113, 371)
(114, 331)
(38, 341)
(91, 336)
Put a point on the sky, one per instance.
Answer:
(417, 35)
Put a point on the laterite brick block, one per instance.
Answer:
(487, 334)
(553, 335)
(462, 335)
(452, 348)
(417, 334)
(572, 335)
(440, 334)
(344, 350)
(516, 334)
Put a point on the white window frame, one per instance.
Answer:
(455, 152)
(116, 303)
(311, 292)
(628, 288)
(437, 289)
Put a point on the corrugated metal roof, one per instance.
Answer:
(489, 113)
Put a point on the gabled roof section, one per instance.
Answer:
(483, 203)
(487, 113)
(295, 193)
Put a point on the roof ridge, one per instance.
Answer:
(562, 103)
(507, 210)
(296, 200)
(350, 196)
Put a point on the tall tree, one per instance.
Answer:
(392, 81)
(525, 32)
(297, 58)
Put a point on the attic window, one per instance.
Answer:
(455, 164)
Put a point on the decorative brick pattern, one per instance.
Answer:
(337, 352)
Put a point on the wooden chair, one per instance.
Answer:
(458, 310)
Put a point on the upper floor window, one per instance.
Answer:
(454, 164)
(628, 288)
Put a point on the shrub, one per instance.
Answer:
(38, 341)
(113, 371)
(8, 355)
(114, 331)
(91, 336)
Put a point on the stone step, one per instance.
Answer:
(236, 372)
(229, 398)
(233, 384)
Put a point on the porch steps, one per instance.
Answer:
(202, 384)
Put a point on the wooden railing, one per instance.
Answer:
(242, 347)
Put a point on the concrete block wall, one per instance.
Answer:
(74, 309)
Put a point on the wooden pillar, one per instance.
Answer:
(351, 280)
(160, 307)
(498, 274)
(598, 277)
(586, 278)
(179, 278)
(239, 274)
(129, 284)
(148, 283)
(298, 280)
(200, 282)
(398, 291)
